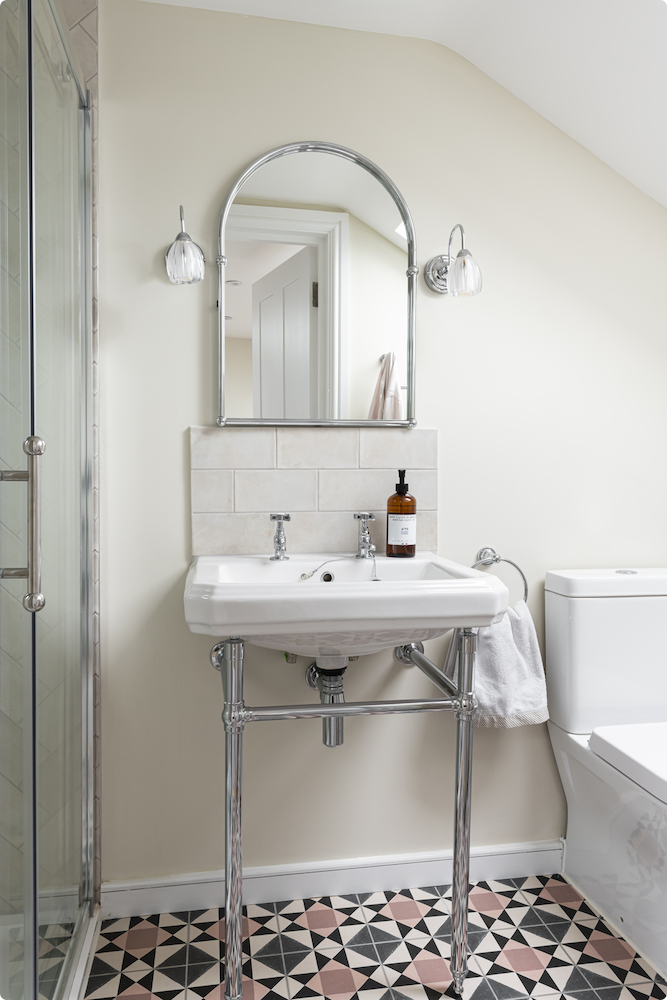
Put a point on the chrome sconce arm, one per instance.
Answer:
(459, 276)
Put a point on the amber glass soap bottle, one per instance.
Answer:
(401, 521)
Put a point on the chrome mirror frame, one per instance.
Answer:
(412, 272)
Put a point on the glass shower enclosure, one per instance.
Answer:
(46, 821)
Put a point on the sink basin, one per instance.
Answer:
(340, 609)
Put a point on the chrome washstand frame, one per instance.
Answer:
(411, 273)
(459, 697)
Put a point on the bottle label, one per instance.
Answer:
(401, 529)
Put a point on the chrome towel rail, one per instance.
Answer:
(488, 556)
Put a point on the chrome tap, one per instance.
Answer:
(279, 539)
(366, 547)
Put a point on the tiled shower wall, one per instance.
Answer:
(319, 475)
(81, 16)
(13, 501)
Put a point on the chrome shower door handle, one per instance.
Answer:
(34, 600)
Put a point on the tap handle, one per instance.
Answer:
(279, 539)
(366, 547)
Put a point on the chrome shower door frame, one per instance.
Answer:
(227, 657)
(29, 340)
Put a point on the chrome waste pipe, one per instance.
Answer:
(329, 683)
(332, 693)
(227, 657)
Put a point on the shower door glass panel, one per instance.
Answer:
(15, 624)
(43, 878)
(58, 420)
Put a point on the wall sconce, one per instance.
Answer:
(460, 276)
(184, 259)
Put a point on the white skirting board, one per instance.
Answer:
(203, 890)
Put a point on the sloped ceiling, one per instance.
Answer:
(595, 68)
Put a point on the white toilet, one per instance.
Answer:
(606, 664)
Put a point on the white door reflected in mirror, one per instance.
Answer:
(285, 339)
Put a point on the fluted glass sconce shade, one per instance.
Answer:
(458, 276)
(184, 259)
(465, 278)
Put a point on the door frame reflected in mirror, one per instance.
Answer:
(411, 274)
(328, 232)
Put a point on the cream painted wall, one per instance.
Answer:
(378, 307)
(547, 389)
(238, 385)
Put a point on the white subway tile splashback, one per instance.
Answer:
(212, 491)
(233, 447)
(361, 489)
(233, 534)
(318, 447)
(319, 475)
(427, 530)
(275, 491)
(308, 531)
(316, 531)
(394, 447)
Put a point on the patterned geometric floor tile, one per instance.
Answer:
(534, 938)
(320, 925)
(101, 987)
(53, 945)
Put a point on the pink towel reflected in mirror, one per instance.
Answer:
(387, 403)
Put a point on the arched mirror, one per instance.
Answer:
(317, 275)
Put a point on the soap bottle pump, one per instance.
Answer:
(401, 521)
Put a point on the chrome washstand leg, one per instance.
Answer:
(227, 657)
(461, 867)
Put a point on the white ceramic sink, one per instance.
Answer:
(270, 604)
